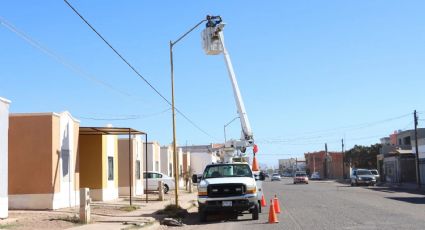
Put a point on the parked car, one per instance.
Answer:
(300, 177)
(375, 173)
(154, 178)
(275, 176)
(362, 176)
(315, 176)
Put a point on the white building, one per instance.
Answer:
(4, 127)
(201, 156)
(154, 157)
(167, 160)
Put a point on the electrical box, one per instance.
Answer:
(211, 41)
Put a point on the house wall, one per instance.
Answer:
(166, 155)
(4, 127)
(36, 171)
(109, 149)
(154, 157)
(123, 166)
(90, 162)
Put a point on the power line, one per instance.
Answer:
(321, 133)
(122, 117)
(134, 69)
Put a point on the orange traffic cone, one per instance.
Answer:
(272, 214)
(276, 204)
(255, 164)
(263, 201)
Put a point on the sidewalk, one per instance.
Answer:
(140, 218)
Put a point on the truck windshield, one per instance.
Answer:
(236, 170)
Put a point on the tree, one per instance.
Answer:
(363, 156)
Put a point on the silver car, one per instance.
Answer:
(275, 176)
(362, 176)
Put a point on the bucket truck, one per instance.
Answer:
(229, 186)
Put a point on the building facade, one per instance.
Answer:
(99, 166)
(154, 156)
(130, 171)
(43, 161)
(4, 133)
(167, 160)
(328, 165)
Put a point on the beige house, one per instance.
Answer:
(43, 161)
(154, 156)
(4, 128)
(137, 166)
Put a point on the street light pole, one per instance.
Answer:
(175, 155)
(226, 126)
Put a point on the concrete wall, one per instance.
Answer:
(38, 143)
(4, 127)
(123, 166)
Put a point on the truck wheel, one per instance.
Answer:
(255, 212)
(259, 206)
(202, 215)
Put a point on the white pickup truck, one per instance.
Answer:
(228, 187)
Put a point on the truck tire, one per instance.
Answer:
(259, 206)
(255, 212)
(202, 215)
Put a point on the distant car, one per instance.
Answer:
(275, 176)
(362, 176)
(154, 177)
(375, 173)
(300, 177)
(315, 176)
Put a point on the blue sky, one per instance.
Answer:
(310, 72)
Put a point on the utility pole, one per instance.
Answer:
(418, 175)
(343, 157)
(326, 161)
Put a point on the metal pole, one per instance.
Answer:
(146, 166)
(130, 171)
(176, 175)
(342, 142)
(418, 175)
(224, 133)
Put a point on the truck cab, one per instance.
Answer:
(227, 187)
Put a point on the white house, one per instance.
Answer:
(167, 160)
(4, 127)
(154, 158)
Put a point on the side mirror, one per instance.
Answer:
(194, 178)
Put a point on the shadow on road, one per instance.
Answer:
(412, 200)
(396, 190)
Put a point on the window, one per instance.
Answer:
(236, 170)
(110, 168)
(406, 141)
(137, 169)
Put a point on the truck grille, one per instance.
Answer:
(225, 190)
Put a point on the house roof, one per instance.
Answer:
(108, 131)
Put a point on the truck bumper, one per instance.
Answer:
(239, 203)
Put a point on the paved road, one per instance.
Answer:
(330, 205)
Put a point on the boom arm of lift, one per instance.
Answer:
(247, 137)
